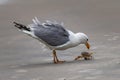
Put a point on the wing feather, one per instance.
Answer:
(52, 34)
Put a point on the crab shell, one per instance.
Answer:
(86, 55)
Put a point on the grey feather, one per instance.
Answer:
(52, 34)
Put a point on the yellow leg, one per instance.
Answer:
(55, 59)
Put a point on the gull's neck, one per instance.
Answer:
(74, 38)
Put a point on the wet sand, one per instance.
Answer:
(23, 58)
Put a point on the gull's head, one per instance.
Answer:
(83, 38)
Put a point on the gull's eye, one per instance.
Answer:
(87, 39)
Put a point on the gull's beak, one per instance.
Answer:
(87, 45)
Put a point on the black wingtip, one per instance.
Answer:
(21, 26)
(15, 23)
(18, 25)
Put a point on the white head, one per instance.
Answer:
(83, 38)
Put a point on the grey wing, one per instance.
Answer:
(52, 34)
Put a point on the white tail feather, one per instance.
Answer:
(36, 21)
(49, 22)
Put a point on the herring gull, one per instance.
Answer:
(53, 35)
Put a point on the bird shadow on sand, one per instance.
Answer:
(49, 64)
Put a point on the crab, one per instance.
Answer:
(85, 55)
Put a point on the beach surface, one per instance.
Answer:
(24, 58)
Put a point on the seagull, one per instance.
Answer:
(53, 35)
